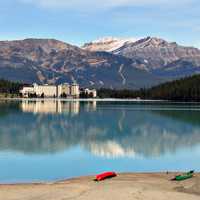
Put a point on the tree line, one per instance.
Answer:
(9, 87)
(185, 89)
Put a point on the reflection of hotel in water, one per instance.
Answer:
(53, 106)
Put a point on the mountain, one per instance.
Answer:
(52, 61)
(108, 62)
(179, 68)
(158, 53)
(107, 44)
(162, 58)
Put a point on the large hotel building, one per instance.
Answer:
(63, 90)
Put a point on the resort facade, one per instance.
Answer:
(60, 91)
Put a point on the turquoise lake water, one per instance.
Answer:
(53, 140)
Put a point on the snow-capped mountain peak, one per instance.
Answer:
(108, 44)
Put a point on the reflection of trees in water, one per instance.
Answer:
(6, 106)
(188, 116)
(105, 132)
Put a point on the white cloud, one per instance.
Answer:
(100, 4)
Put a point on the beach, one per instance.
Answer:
(127, 186)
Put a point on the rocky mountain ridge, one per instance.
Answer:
(157, 53)
(108, 44)
(52, 61)
(122, 63)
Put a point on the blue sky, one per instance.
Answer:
(79, 21)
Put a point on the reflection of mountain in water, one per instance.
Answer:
(105, 132)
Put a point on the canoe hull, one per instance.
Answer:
(183, 177)
(105, 175)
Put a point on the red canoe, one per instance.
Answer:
(105, 175)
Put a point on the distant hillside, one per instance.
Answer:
(158, 56)
(186, 89)
(108, 63)
(51, 61)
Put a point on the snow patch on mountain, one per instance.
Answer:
(108, 44)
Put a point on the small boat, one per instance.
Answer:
(184, 176)
(105, 175)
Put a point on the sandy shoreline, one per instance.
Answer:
(125, 186)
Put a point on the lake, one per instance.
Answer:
(53, 140)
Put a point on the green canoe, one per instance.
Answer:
(184, 176)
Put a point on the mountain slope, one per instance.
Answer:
(185, 89)
(162, 58)
(179, 68)
(108, 63)
(52, 61)
(158, 53)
